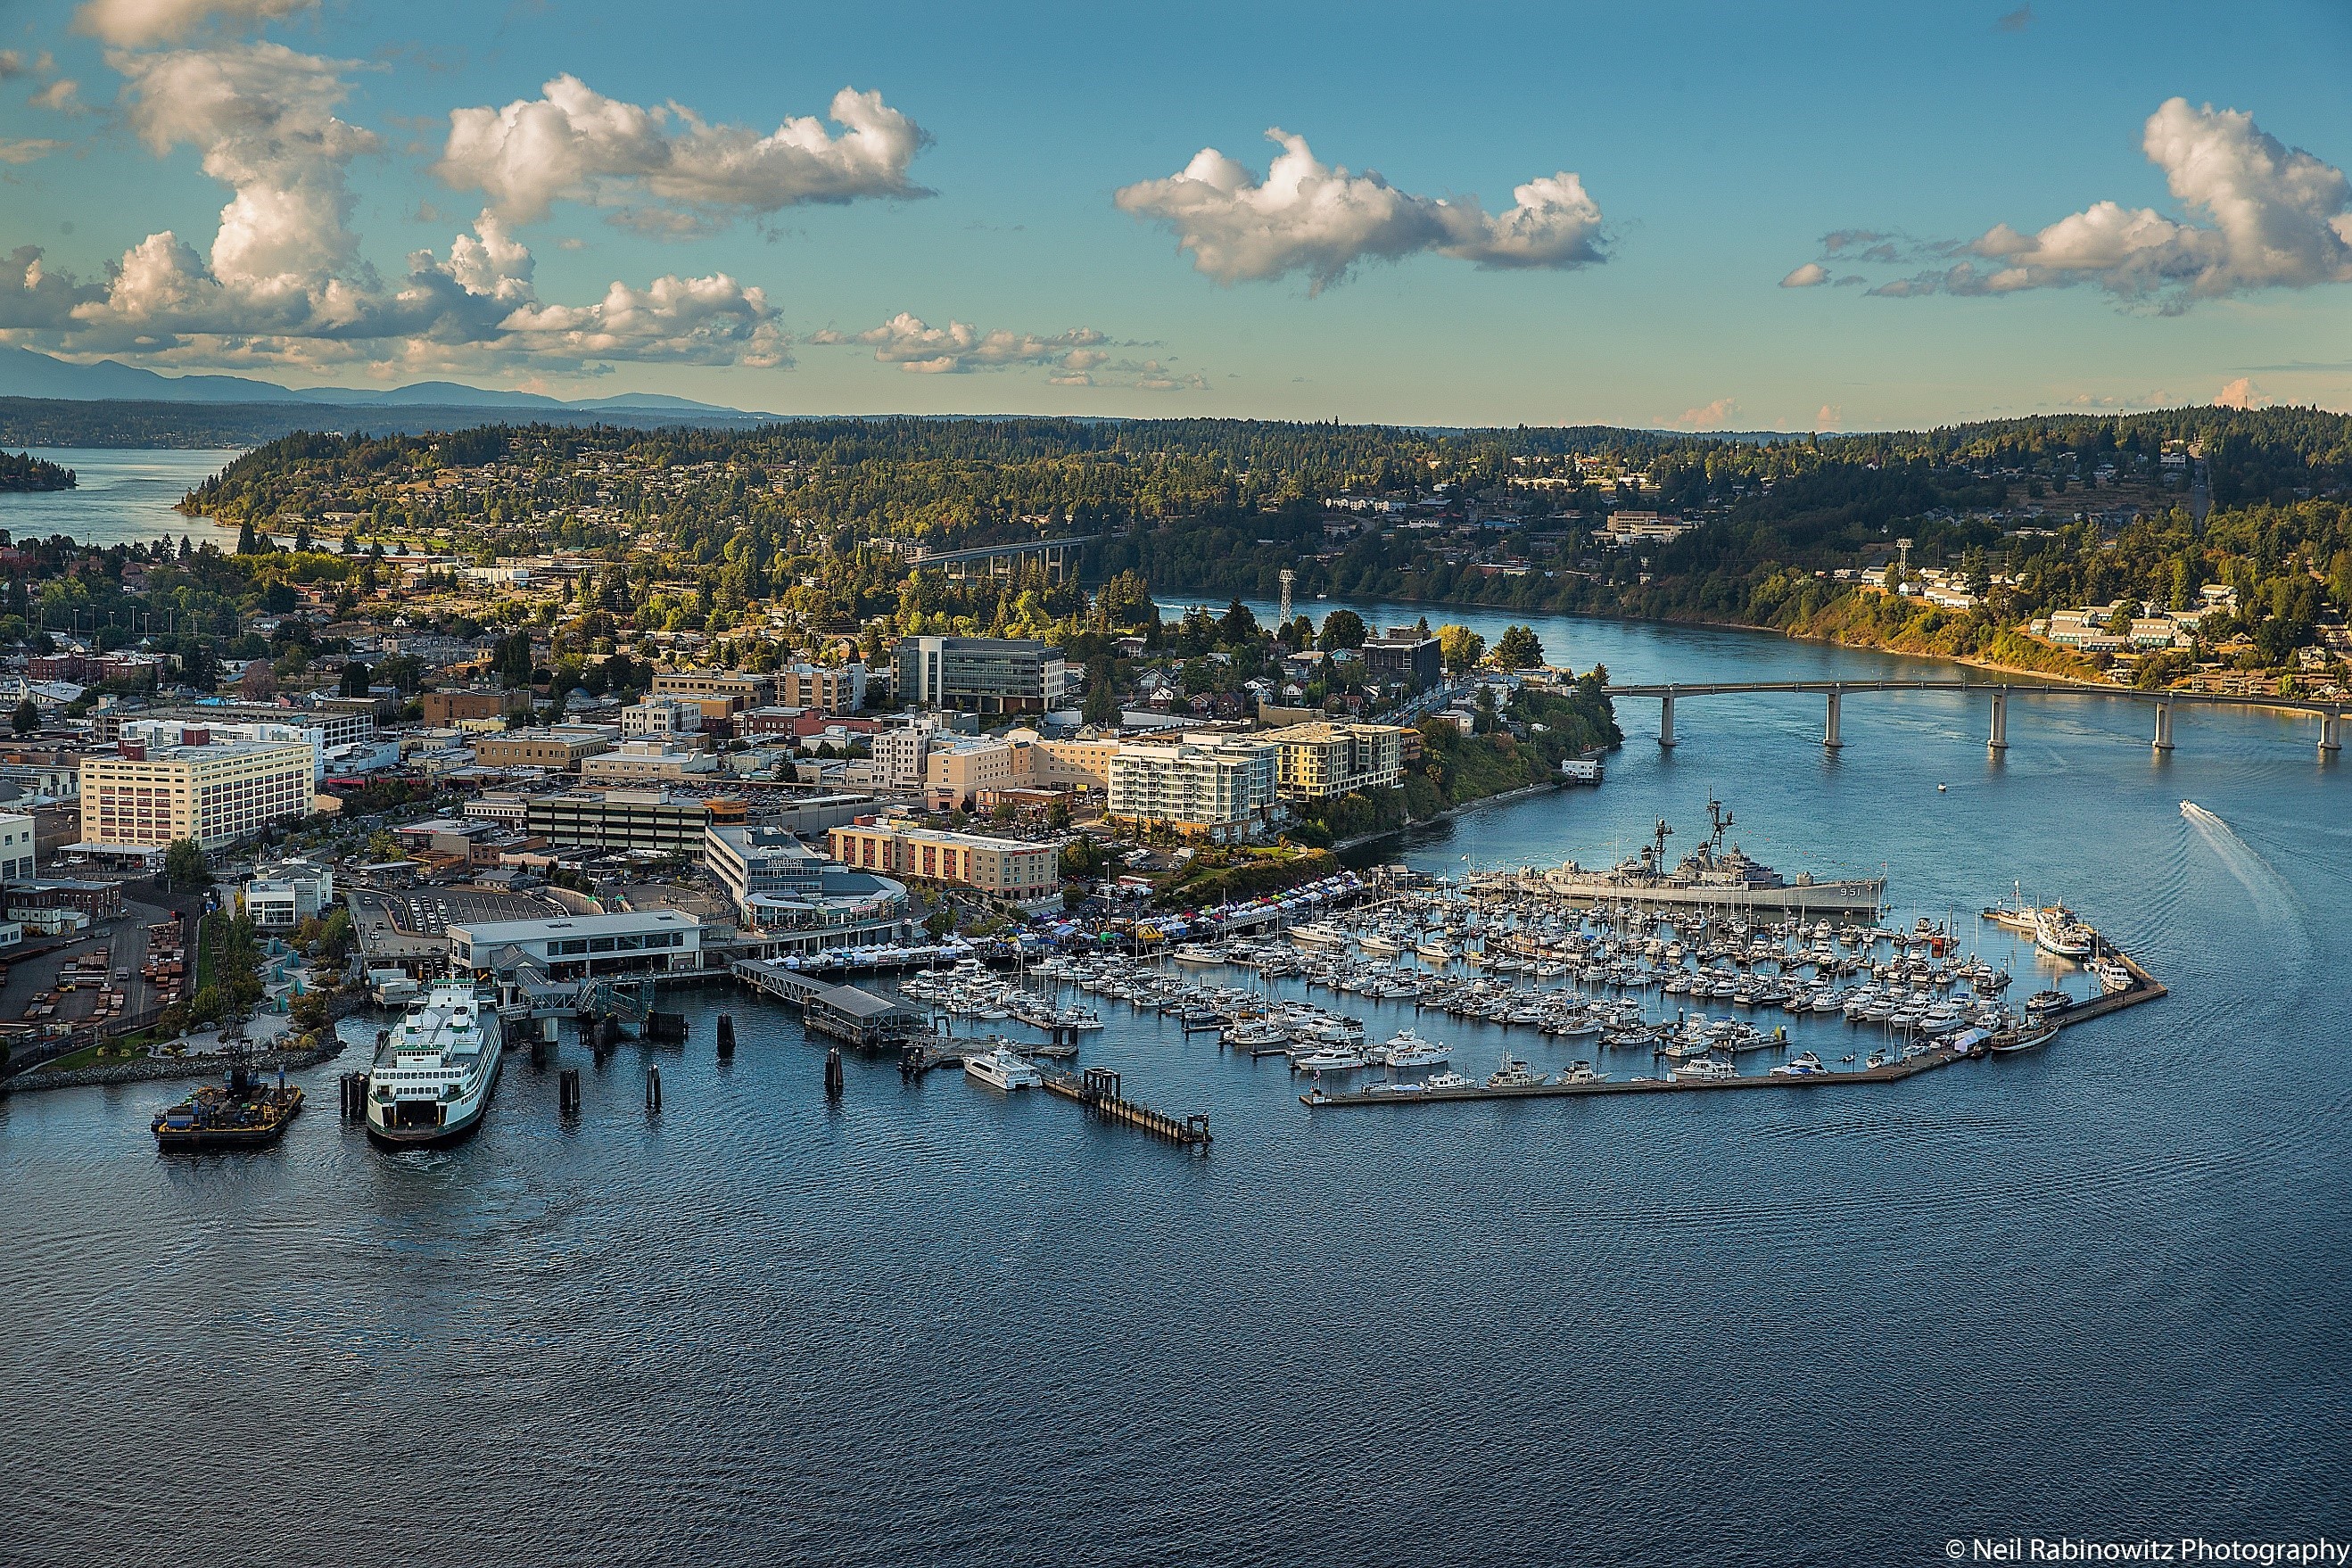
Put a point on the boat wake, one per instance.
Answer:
(2272, 897)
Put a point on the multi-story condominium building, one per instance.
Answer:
(213, 790)
(1216, 787)
(16, 848)
(900, 753)
(1001, 867)
(444, 708)
(1404, 654)
(980, 675)
(738, 688)
(623, 819)
(648, 759)
(562, 747)
(1066, 764)
(958, 767)
(336, 727)
(1322, 761)
(827, 688)
(662, 716)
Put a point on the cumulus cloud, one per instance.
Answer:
(1079, 357)
(263, 117)
(1713, 416)
(2262, 215)
(1321, 220)
(1811, 275)
(26, 149)
(2242, 394)
(668, 167)
(284, 281)
(1830, 417)
(131, 23)
(12, 65)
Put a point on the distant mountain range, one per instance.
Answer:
(27, 374)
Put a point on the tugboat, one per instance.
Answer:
(237, 1113)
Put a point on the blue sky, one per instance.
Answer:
(1712, 147)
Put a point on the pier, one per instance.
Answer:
(844, 1013)
(1097, 1088)
(2329, 714)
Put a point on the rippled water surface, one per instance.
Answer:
(122, 496)
(2100, 1290)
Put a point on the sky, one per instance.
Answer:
(1702, 217)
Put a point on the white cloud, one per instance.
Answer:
(1713, 416)
(136, 22)
(575, 143)
(1811, 275)
(263, 117)
(285, 283)
(1321, 220)
(62, 96)
(12, 65)
(2242, 394)
(1830, 417)
(26, 149)
(2273, 217)
(912, 344)
(1079, 357)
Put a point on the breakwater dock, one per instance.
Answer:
(2144, 988)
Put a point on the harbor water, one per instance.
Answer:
(2098, 1291)
(121, 496)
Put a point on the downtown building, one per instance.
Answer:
(1000, 868)
(1213, 786)
(980, 675)
(215, 792)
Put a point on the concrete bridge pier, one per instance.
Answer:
(2331, 733)
(1830, 741)
(2164, 726)
(1667, 720)
(1999, 741)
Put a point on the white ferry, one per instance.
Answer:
(434, 1074)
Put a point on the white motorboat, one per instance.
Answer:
(1319, 934)
(1407, 1050)
(1330, 1060)
(1001, 1069)
(1705, 1070)
(1380, 942)
(1431, 950)
(1805, 1064)
(1448, 1079)
(1579, 1072)
(1197, 953)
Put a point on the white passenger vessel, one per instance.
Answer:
(434, 1074)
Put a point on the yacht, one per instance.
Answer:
(1448, 1079)
(1432, 950)
(1707, 1069)
(1578, 1072)
(1331, 1059)
(2113, 977)
(2056, 931)
(433, 1076)
(1513, 1074)
(1196, 952)
(1319, 934)
(1408, 1050)
(1805, 1064)
(1001, 1069)
(1380, 942)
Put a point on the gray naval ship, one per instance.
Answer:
(1714, 877)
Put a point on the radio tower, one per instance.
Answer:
(1288, 577)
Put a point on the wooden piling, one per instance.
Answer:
(833, 1073)
(726, 1034)
(567, 1092)
(653, 1091)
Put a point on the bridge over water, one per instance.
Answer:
(1059, 555)
(2329, 714)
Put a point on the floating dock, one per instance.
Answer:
(2145, 988)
